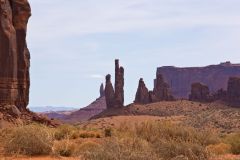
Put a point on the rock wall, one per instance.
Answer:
(200, 93)
(233, 91)
(14, 54)
(214, 76)
(162, 90)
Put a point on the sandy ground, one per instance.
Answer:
(40, 158)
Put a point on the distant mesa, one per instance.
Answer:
(214, 76)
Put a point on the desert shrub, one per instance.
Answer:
(64, 148)
(29, 140)
(234, 141)
(108, 132)
(66, 131)
(169, 140)
(87, 147)
(87, 134)
(219, 149)
(122, 149)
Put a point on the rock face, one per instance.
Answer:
(161, 92)
(233, 91)
(119, 84)
(14, 54)
(214, 76)
(142, 95)
(102, 91)
(161, 89)
(199, 92)
(115, 98)
(109, 92)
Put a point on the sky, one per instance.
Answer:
(73, 43)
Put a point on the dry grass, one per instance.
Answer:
(28, 140)
(155, 139)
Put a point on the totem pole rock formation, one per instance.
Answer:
(233, 91)
(14, 54)
(142, 95)
(199, 92)
(119, 84)
(162, 90)
(115, 98)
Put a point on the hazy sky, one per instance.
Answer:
(73, 43)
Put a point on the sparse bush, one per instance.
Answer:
(219, 149)
(64, 148)
(108, 132)
(87, 134)
(234, 141)
(66, 131)
(29, 140)
(121, 149)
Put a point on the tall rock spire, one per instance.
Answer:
(14, 54)
(119, 84)
(109, 92)
(115, 97)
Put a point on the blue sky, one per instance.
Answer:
(74, 43)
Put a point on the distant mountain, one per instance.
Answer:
(83, 114)
(51, 109)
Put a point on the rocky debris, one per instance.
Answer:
(15, 57)
(233, 91)
(162, 90)
(199, 92)
(142, 95)
(109, 92)
(119, 84)
(214, 76)
(115, 97)
(11, 116)
(102, 91)
(13, 110)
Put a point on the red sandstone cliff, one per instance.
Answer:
(14, 54)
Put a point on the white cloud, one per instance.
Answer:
(96, 76)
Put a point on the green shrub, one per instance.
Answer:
(29, 140)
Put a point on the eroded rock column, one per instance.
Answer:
(14, 55)
(142, 95)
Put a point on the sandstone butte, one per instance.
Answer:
(14, 54)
